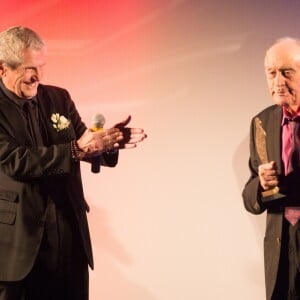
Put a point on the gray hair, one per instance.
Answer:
(288, 39)
(14, 41)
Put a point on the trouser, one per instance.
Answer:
(288, 280)
(60, 271)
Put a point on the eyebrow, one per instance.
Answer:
(280, 69)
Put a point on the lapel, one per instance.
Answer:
(273, 132)
(48, 104)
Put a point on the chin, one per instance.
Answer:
(28, 95)
(282, 101)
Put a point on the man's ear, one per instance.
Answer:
(1, 68)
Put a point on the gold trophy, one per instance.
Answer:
(261, 148)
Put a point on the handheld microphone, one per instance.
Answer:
(98, 122)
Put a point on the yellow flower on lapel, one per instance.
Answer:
(59, 122)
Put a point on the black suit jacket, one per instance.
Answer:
(271, 119)
(29, 173)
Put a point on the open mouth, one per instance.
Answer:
(31, 83)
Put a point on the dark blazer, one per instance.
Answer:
(29, 173)
(271, 119)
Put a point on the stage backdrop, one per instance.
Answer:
(168, 222)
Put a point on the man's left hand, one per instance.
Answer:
(131, 136)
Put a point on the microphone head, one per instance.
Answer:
(98, 121)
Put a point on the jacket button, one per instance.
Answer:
(40, 222)
(278, 240)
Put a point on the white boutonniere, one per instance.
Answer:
(59, 122)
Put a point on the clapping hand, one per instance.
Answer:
(131, 136)
(118, 137)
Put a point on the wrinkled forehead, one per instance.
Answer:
(284, 54)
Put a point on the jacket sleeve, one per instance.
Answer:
(26, 163)
(106, 159)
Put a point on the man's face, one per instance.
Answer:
(282, 66)
(24, 80)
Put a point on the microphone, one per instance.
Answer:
(98, 122)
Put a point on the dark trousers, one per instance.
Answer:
(60, 271)
(288, 279)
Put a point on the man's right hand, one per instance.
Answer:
(268, 175)
(94, 143)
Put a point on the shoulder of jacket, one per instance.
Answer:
(269, 110)
(51, 89)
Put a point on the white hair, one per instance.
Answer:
(14, 41)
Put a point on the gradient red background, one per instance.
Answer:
(168, 222)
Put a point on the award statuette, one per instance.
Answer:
(261, 148)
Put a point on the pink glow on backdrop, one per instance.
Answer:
(90, 43)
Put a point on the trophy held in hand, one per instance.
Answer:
(261, 148)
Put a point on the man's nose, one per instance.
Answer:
(280, 80)
(36, 74)
(39, 73)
